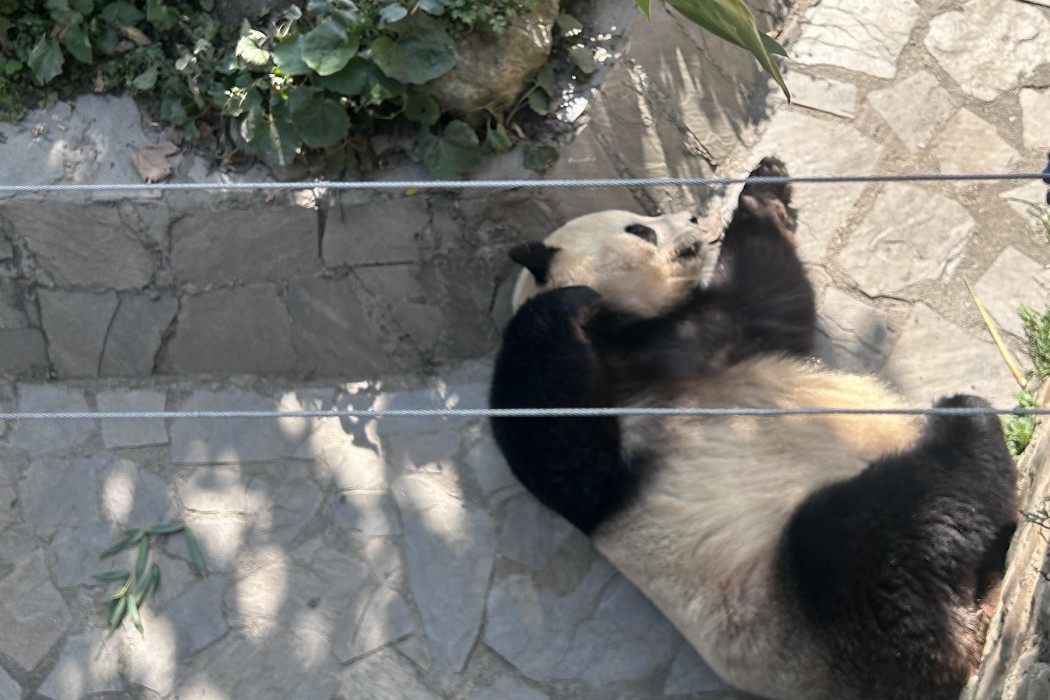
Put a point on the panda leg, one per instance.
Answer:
(761, 284)
(573, 465)
(898, 564)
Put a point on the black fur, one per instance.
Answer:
(876, 560)
(563, 350)
(642, 231)
(534, 257)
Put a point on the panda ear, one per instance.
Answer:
(534, 257)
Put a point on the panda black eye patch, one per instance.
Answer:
(642, 231)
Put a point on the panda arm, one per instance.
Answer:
(573, 465)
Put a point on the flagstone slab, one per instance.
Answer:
(863, 37)
(915, 108)
(911, 235)
(988, 46)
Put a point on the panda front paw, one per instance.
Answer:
(770, 166)
(768, 201)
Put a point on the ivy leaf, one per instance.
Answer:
(393, 12)
(422, 51)
(545, 80)
(344, 10)
(539, 102)
(237, 101)
(45, 60)
(432, 7)
(58, 9)
(274, 141)
(84, 7)
(497, 140)
(288, 57)
(422, 109)
(583, 58)
(77, 43)
(541, 155)
(145, 80)
(644, 5)
(249, 49)
(327, 48)
(322, 123)
(350, 81)
(174, 111)
(732, 20)
(105, 39)
(206, 5)
(452, 154)
(379, 87)
(121, 14)
(160, 16)
(569, 25)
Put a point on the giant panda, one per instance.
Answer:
(806, 557)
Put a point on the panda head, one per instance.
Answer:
(641, 265)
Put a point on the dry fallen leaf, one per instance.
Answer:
(100, 84)
(135, 35)
(151, 162)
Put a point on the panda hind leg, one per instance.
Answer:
(899, 565)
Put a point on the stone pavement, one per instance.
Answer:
(399, 558)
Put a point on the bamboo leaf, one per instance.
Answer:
(169, 529)
(131, 538)
(993, 329)
(133, 613)
(149, 584)
(732, 20)
(140, 561)
(120, 592)
(113, 575)
(116, 613)
(644, 6)
(195, 552)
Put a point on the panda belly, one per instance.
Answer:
(701, 538)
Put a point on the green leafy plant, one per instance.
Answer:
(1037, 334)
(1018, 430)
(1040, 516)
(320, 76)
(732, 21)
(136, 584)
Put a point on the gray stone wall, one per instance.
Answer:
(324, 284)
(1016, 665)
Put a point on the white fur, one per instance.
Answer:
(701, 540)
(636, 276)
